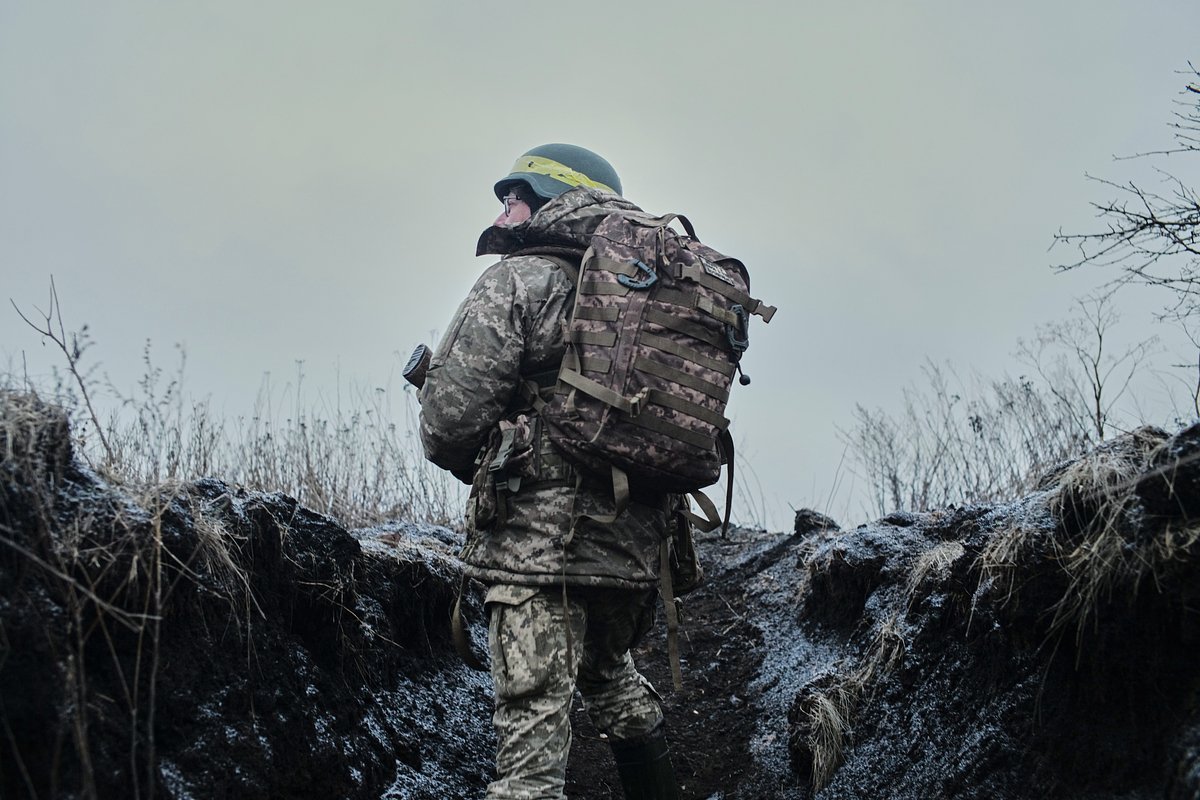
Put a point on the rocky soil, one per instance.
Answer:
(199, 641)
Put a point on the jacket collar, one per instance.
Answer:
(566, 221)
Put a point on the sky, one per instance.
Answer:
(279, 182)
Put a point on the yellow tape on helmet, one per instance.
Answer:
(559, 172)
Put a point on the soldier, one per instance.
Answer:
(568, 595)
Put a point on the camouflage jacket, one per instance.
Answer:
(510, 327)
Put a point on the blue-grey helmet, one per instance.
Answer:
(551, 169)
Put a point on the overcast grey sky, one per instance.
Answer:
(267, 182)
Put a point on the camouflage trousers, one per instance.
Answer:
(535, 680)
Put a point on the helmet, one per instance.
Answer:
(551, 169)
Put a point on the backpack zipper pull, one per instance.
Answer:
(744, 380)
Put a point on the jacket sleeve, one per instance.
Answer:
(475, 371)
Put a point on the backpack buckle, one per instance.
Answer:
(504, 451)
(738, 335)
(635, 402)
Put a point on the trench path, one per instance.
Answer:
(727, 729)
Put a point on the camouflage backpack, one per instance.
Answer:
(656, 334)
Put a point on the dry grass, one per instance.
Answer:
(829, 714)
(1102, 546)
(89, 577)
(1177, 542)
(1095, 495)
(998, 562)
(934, 562)
(359, 462)
(829, 711)
(886, 652)
(1105, 477)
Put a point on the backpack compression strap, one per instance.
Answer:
(667, 589)
(711, 518)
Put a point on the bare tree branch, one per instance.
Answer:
(1152, 237)
(73, 348)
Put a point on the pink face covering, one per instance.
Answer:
(515, 212)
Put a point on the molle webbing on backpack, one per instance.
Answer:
(657, 329)
(589, 363)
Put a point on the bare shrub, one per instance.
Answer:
(962, 444)
(1079, 367)
(1149, 230)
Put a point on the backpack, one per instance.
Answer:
(656, 334)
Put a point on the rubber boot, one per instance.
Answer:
(644, 765)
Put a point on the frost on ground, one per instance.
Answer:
(1039, 648)
(196, 641)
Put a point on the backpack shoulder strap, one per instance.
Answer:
(571, 268)
(566, 258)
